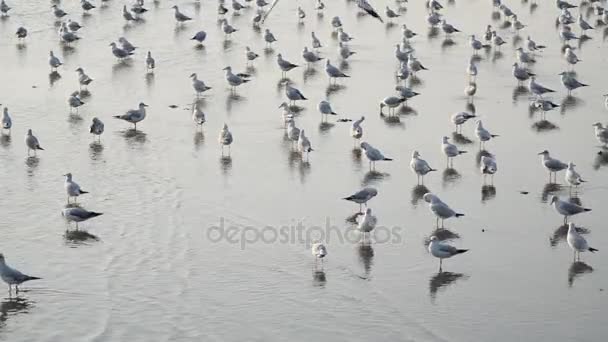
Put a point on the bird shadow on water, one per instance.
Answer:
(134, 136)
(417, 192)
(461, 139)
(373, 177)
(334, 88)
(549, 189)
(488, 192)
(576, 270)
(518, 92)
(442, 234)
(432, 33)
(319, 279)
(121, 65)
(450, 175)
(365, 251)
(150, 77)
(5, 140)
(13, 306)
(544, 126)
(560, 234)
(447, 43)
(325, 127)
(233, 98)
(309, 73)
(356, 156)
(95, 150)
(226, 164)
(54, 77)
(442, 280)
(199, 139)
(78, 237)
(32, 163)
(569, 102)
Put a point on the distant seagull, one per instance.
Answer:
(7, 123)
(198, 85)
(476, 44)
(460, 118)
(119, 53)
(126, 45)
(128, 16)
(83, 79)
(325, 109)
(601, 133)
(356, 130)
(414, 64)
(32, 143)
(365, 6)
(316, 43)
(320, 5)
(373, 155)
(420, 167)
(285, 65)
(200, 37)
(287, 114)
(309, 56)
(406, 33)
(566, 34)
(21, 33)
(86, 6)
(343, 36)
(225, 138)
(134, 115)
(66, 35)
(301, 13)
(441, 210)
(564, 4)
(4, 8)
(293, 94)
(533, 46)
(488, 166)
(570, 82)
(577, 242)
(497, 40)
(524, 57)
(521, 73)
(483, 134)
(227, 28)
(571, 57)
(583, 24)
(237, 6)
(318, 251)
(391, 102)
(367, 223)
(150, 62)
(261, 3)
(10, 275)
(447, 28)
(538, 89)
(572, 177)
(345, 51)
(544, 106)
(406, 93)
(336, 23)
(333, 72)
(362, 196)
(303, 144)
(78, 214)
(221, 9)
(567, 208)
(472, 69)
(443, 251)
(450, 150)
(74, 101)
(58, 12)
(54, 62)
(470, 89)
(390, 14)
(179, 16)
(97, 127)
(72, 188)
(517, 25)
(293, 133)
(234, 80)
(251, 56)
(551, 164)
(269, 38)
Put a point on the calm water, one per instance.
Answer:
(154, 273)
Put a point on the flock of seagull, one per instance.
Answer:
(408, 69)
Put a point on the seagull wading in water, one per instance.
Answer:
(11, 276)
(443, 251)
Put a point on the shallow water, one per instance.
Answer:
(153, 268)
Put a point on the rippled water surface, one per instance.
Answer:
(152, 268)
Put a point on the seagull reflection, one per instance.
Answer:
(324, 127)
(498, 55)
(433, 32)
(417, 192)
(488, 192)
(549, 189)
(226, 164)
(577, 269)
(442, 234)
(334, 88)
(519, 91)
(78, 237)
(461, 139)
(442, 280)
(392, 120)
(448, 42)
(308, 73)
(356, 156)
(450, 175)
(544, 126)
(95, 150)
(13, 306)
(407, 110)
(366, 257)
(481, 153)
(470, 107)
(344, 65)
(150, 79)
(601, 159)
(560, 234)
(569, 102)
(495, 16)
(373, 177)
(32, 163)
(5, 140)
(199, 139)
(318, 278)
(304, 169)
(133, 135)
(54, 77)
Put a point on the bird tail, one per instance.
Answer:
(40, 148)
(432, 170)
(83, 192)
(592, 250)
(36, 278)
(349, 198)
(116, 117)
(582, 180)
(388, 159)
(494, 135)
(334, 113)
(460, 251)
(94, 214)
(245, 80)
(303, 98)
(459, 215)
(586, 209)
(462, 152)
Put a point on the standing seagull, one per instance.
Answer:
(419, 166)
(78, 214)
(460, 118)
(318, 251)
(483, 134)
(198, 85)
(234, 80)
(134, 115)
(442, 251)
(285, 65)
(303, 144)
(200, 37)
(373, 155)
(225, 138)
(572, 177)
(293, 94)
(367, 223)
(72, 188)
(356, 130)
(567, 208)
(32, 143)
(325, 109)
(86, 6)
(150, 62)
(11, 276)
(362, 196)
(119, 53)
(333, 72)
(441, 210)
(7, 123)
(551, 164)
(537, 89)
(179, 16)
(577, 242)
(269, 38)
(488, 166)
(4, 8)
(83, 79)
(450, 150)
(54, 62)
(74, 101)
(97, 127)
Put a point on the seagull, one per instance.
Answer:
(450, 150)
(316, 43)
(66, 35)
(420, 167)
(119, 53)
(198, 116)
(402, 56)
(269, 38)
(86, 5)
(150, 62)
(406, 33)
(221, 9)
(571, 57)
(404, 72)
(234, 80)
(460, 118)
(470, 89)
(287, 114)
(483, 134)
(367, 223)
(179, 16)
(434, 5)
(225, 138)
(10, 275)
(566, 34)
(74, 101)
(261, 3)
(134, 115)
(293, 94)
(72, 188)
(433, 18)
(472, 69)
(343, 36)
(333, 72)
(127, 15)
(391, 102)
(32, 142)
(570, 82)
(237, 6)
(405, 92)
(521, 73)
(390, 14)
(21, 33)
(251, 56)
(537, 89)
(544, 106)
(198, 85)
(601, 133)
(320, 5)
(54, 62)
(325, 109)
(285, 65)
(126, 45)
(309, 56)
(318, 251)
(83, 79)
(301, 13)
(356, 130)
(365, 6)
(577, 242)
(572, 177)
(441, 210)
(227, 28)
(200, 37)
(303, 144)
(476, 44)
(373, 155)
(78, 214)
(58, 12)
(448, 28)
(524, 57)
(488, 166)
(583, 24)
(517, 25)
(97, 127)
(362, 196)
(564, 4)
(551, 164)
(4, 8)
(497, 40)
(336, 23)
(7, 123)
(414, 65)
(533, 46)
(293, 133)
(443, 251)
(344, 50)
(566, 208)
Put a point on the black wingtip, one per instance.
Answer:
(388, 159)
(587, 209)
(593, 250)
(460, 251)
(459, 215)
